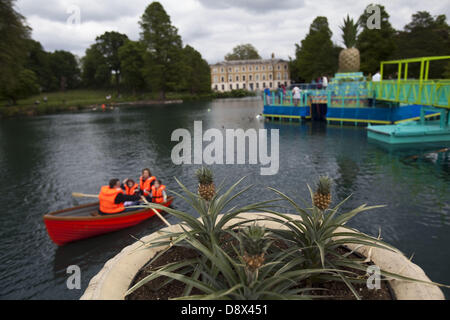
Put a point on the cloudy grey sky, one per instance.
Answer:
(212, 27)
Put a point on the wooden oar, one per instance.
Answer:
(83, 195)
(157, 213)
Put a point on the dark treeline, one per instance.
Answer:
(158, 62)
(424, 36)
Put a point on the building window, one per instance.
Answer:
(243, 86)
(215, 79)
(278, 76)
(237, 78)
(237, 86)
(250, 77)
(263, 68)
(270, 68)
(257, 85)
(243, 69)
(223, 87)
(270, 76)
(236, 69)
(231, 86)
(256, 68)
(221, 70)
(230, 79)
(264, 77)
(243, 78)
(223, 79)
(264, 85)
(279, 68)
(285, 76)
(285, 67)
(215, 70)
(270, 84)
(230, 69)
(257, 77)
(250, 68)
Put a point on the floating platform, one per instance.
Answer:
(410, 132)
(357, 115)
(287, 112)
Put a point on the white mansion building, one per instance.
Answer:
(250, 74)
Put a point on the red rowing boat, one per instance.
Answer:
(84, 222)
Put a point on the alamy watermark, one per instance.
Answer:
(74, 280)
(235, 147)
(374, 279)
(74, 12)
(374, 21)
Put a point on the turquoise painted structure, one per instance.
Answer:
(422, 131)
(403, 109)
(435, 94)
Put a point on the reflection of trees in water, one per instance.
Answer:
(348, 171)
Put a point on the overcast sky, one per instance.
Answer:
(212, 27)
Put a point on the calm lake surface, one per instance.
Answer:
(44, 159)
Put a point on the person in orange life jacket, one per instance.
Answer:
(159, 192)
(112, 199)
(146, 182)
(130, 188)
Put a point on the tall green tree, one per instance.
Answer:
(243, 52)
(132, 63)
(38, 60)
(95, 70)
(14, 36)
(316, 55)
(65, 69)
(163, 49)
(375, 45)
(109, 44)
(196, 72)
(424, 36)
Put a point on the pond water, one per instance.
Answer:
(44, 159)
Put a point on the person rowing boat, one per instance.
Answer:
(112, 199)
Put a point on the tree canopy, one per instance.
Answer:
(424, 36)
(316, 55)
(375, 45)
(243, 52)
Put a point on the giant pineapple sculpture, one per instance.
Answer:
(206, 187)
(349, 58)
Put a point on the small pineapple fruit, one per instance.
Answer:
(254, 245)
(322, 196)
(206, 187)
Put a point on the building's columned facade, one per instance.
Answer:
(250, 75)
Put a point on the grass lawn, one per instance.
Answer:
(74, 100)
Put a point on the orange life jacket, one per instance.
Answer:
(107, 197)
(157, 194)
(130, 191)
(146, 185)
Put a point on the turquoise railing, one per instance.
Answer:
(280, 99)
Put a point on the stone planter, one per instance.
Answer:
(113, 281)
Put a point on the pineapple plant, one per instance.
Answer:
(322, 196)
(254, 245)
(206, 187)
(349, 58)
